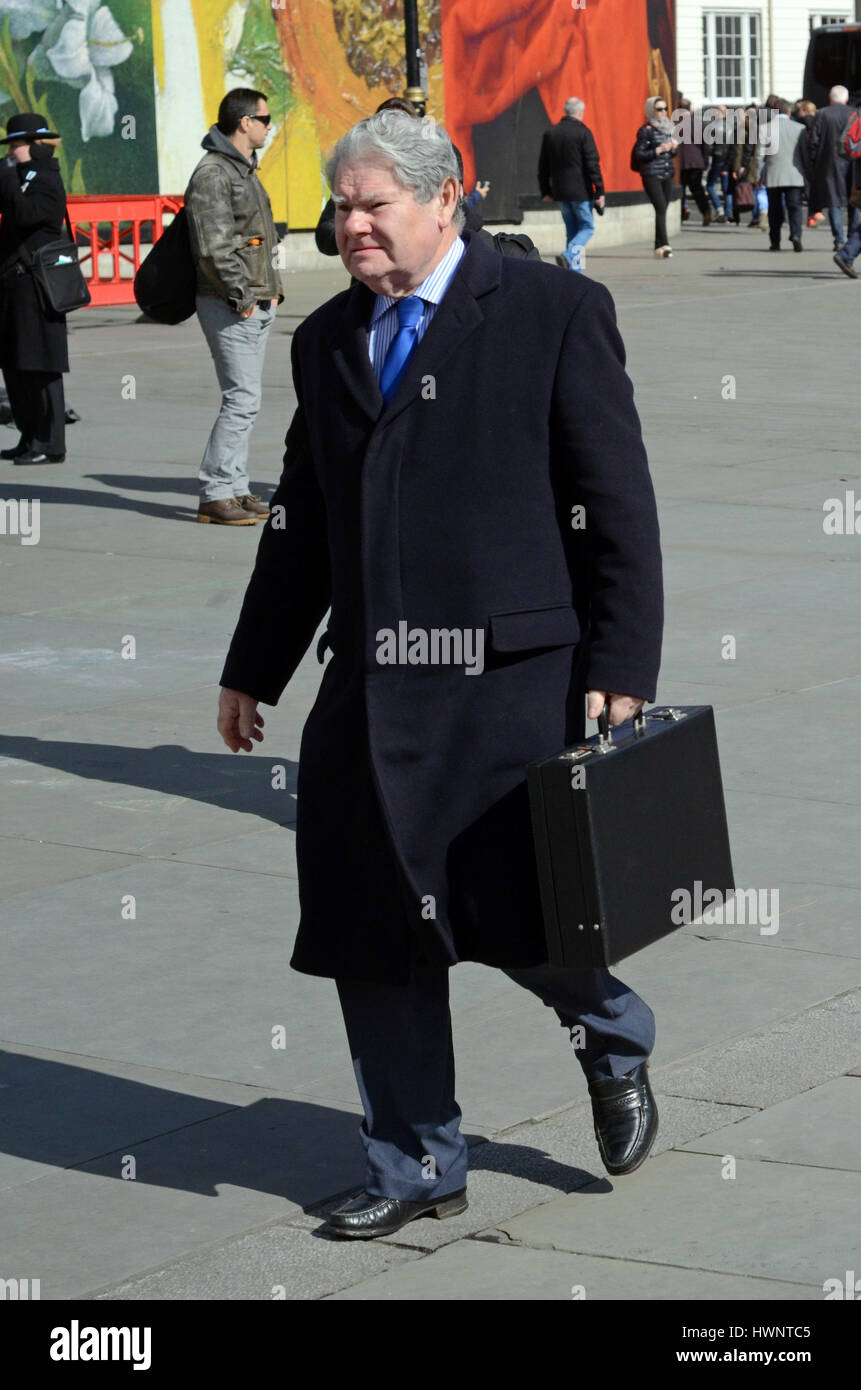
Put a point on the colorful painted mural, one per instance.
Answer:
(85, 65)
(132, 85)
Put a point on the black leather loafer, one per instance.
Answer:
(31, 457)
(368, 1215)
(626, 1119)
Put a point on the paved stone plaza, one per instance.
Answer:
(148, 875)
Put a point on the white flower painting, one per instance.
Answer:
(81, 43)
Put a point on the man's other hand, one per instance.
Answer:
(546, 198)
(600, 201)
(620, 707)
(239, 720)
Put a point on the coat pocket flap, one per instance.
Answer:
(534, 627)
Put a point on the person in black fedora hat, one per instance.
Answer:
(33, 343)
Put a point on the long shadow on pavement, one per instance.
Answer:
(18, 487)
(67, 1116)
(226, 780)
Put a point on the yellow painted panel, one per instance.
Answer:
(211, 21)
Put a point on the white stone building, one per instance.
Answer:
(737, 51)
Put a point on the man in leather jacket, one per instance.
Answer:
(233, 241)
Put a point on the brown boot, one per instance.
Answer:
(225, 512)
(251, 504)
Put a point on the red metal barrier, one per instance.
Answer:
(125, 214)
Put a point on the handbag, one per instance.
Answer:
(59, 279)
(743, 194)
(166, 282)
(630, 835)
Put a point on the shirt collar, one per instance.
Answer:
(433, 287)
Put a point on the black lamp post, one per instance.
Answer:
(415, 92)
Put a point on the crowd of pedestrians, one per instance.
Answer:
(759, 163)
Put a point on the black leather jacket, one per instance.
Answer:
(659, 166)
(233, 236)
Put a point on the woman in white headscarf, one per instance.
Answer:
(653, 154)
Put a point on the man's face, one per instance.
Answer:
(257, 130)
(385, 238)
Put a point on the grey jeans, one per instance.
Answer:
(238, 346)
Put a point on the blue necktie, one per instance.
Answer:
(410, 311)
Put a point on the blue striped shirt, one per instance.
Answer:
(384, 317)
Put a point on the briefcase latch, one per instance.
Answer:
(668, 714)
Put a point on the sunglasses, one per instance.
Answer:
(660, 108)
(264, 120)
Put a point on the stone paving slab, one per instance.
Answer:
(813, 918)
(773, 1220)
(820, 1128)
(149, 989)
(475, 1270)
(85, 1227)
(105, 578)
(507, 1175)
(49, 865)
(748, 987)
(279, 1262)
(773, 1063)
(769, 849)
(60, 1111)
(121, 792)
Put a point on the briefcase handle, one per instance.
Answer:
(605, 733)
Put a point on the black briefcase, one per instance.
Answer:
(630, 833)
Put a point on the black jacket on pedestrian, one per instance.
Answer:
(32, 206)
(449, 510)
(830, 174)
(324, 232)
(691, 156)
(650, 164)
(569, 168)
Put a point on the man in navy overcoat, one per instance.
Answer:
(466, 495)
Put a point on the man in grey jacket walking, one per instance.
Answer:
(784, 176)
(233, 240)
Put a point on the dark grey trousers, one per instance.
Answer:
(403, 1057)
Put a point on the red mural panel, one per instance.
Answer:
(611, 53)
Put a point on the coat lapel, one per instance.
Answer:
(458, 315)
(350, 351)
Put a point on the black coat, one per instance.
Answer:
(829, 173)
(569, 169)
(324, 232)
(32, 208)
(450, 508)
(690, 154)
(651, 164)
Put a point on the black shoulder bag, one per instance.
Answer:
(59, 279)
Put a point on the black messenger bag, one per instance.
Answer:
(630, 834)
(59, 279)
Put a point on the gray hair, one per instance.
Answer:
(419, 152)
(574, 107)
(839, 94)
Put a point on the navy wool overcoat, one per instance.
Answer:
(502, 498)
